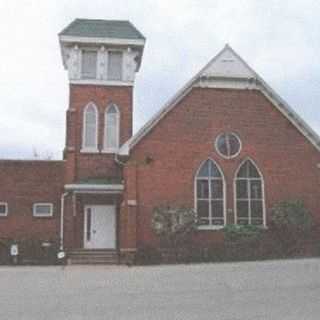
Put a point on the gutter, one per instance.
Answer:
(94, 187)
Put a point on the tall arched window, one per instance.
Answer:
(111, 132)
(90, 128)
(249, 192)
(210, 195)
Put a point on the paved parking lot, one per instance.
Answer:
(233, 291)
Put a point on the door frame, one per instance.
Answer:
(85, 223)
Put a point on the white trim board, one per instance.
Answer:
(95, 187)
(102, 40)
(244, 78)
(6, 206)
(102, 82)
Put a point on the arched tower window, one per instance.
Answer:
(90, 128)
(112, 128)
(249, 193)
(210, 195)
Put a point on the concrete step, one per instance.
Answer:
(98, 254)
(73, 262)
(91, 251)
(95, 256)
(91, 261)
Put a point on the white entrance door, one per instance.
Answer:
(100, 227)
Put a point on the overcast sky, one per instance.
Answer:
(279, 39)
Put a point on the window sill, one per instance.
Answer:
(43, 217)
(110, 150)
(200, 228)
(89, 151)
(264, 227)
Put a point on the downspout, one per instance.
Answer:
(62, 219)
(116, 159)
(120, 163)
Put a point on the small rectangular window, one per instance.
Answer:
(202, 189)
(3, 209)
(242, 189)
(203, 212)
(115, 65)
(217, 209)
(43, 210)
(89, 64)
(255, 189)
(242, 212)
(216, 189)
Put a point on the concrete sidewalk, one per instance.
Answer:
(227, 291)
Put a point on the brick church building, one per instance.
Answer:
(226, 145)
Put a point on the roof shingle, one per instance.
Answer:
(120, 29)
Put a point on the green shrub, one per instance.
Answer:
(242, 243)
(291, 216)
(215, 253)
(174, 228)
(35, 251)
(236, 233)
(147, 256)
(195, 254)
(4, 251)
(292, 225)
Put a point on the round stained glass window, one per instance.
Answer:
(228, 145)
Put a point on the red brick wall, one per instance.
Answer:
(95, 165)
(185, 137)
(22, 184)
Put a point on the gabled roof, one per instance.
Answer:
(226, 70)
(119, 29)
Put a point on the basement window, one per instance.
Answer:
(3, 209)
(43, 210)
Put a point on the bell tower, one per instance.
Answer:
(102, 58)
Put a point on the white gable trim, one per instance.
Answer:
(201, 79)
(292, 116)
